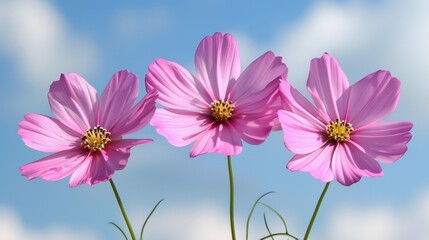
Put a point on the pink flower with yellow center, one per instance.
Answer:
(86, 135)
(220, 107)
(342, 137)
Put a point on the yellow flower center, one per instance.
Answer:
(339, 130)
(221, 111)
(95, 139)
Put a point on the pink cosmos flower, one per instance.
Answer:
(342, 137)
(220, 107)
(86, 135)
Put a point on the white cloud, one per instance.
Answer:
(365, 37)
(186, 223)
(40, 46)
(38, 40)
(134, 24)
(37, 36)
(200, 221)
(248, 49)
(12, 228)
(381, 221)
(375, 223)
(328, 27)
(152, 154)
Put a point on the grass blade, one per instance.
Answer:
(147, 219)
(268, 229)
(277, 213)
(120, 229)
(251, 212)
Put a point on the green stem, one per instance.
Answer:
(121, 206)
(279, 234)
(316, 210)
(231, 198)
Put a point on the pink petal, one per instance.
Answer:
(259, 102)
(301, 135)
(47, 134)
(276, 125)
(253, 129)
(177, 87)
(222, 139)
(344, 169)
(179, 127)
(371, 99)
(384, 142)
(217, 62)
(118, 152)
(264, 70)
(117, 158)
(137, 117)
(326, 83)
(92, 171)
(99, 167)
(349, 164)
(127, 143)
(294, 101)
(118, 98)
(56, 166)
(317, 163)
(276, 105)
(74, 102)
(255, 116)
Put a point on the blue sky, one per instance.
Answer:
(41, 39)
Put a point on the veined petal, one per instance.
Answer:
(317, 163)
(92, 171)
(253, 129)
(117, 158)
(276, 124)
(222, 139)
(371, 99)
(74, 102)
(177, 87)
(326, 83)
(345, 171)
(384, 142)
(137, 117)
(254, 118)
(56, 166)
(118, 152)
(349, 164)
(217, 62)
(259, 102)
(294, 101)
(128, 143)
(301, 135)
(258, 111)
(47, 134)
(179, 127)
(261, 72)
(118, 98)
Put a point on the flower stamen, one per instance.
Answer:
(339, 130)
(95, 139)
(221, 111)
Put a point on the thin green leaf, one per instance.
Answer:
(286, 234)
(251, 212)
(147, 219)
(277, 213)
(266, 225)
(279, 234)
(122, 231)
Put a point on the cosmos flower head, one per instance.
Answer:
(342, 136)
(86, 135)
(219, 107)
